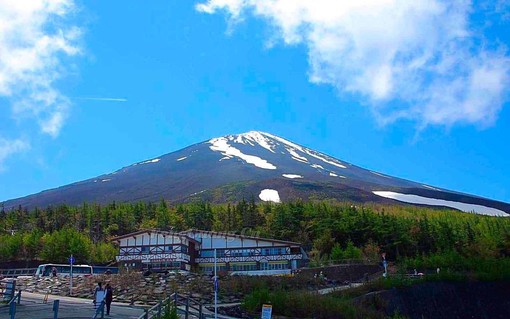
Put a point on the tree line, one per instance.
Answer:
(327, 230)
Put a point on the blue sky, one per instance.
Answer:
(417, 90)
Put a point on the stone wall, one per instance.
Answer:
(134, 288)
(130, 288)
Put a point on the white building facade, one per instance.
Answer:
(194, 250)
(154, 249)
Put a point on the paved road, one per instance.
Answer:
(326, 291)
(32, 307)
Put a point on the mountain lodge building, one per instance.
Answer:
(193, 250)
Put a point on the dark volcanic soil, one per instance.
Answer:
(437, 300)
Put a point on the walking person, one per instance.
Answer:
(54, 272)
(98, 294)
(108, 297)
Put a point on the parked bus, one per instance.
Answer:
(105, 270)
(63, 270)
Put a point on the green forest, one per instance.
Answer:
(413, 236)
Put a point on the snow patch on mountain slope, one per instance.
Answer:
(220, 144)
(269, 195)
(427, 186)
(299, 160)
(465, 207)
(182, 158)
(305, 150)
(292, 176)
(255, 137)
(317, 166)
(336, 175)
(325, 160)
(151, 161)
(270, 142)
(293, 153)
(379, 174)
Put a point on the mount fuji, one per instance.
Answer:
(258, 164)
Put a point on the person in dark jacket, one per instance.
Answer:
(108, 297)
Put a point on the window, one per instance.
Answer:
(206, 253)
(46, 270)
(278, 265)
(243, 266)
(209, 268)
(145, 249)
(210, 253)
(274, 251)
(241, 252)
(165, 265)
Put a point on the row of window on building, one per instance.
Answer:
(168, 248)
(244, 252)
(245, 266)
(210, 253)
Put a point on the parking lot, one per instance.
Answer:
(32, 306)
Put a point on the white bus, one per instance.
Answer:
(63, 270)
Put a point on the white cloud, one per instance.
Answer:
(9, 147)
(35, 38)
(419, 60)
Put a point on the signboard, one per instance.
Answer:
(71, 260)
(216, 284)
(10, 289)
(266, 311)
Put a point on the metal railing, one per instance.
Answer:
(54, 309)
(13, 273)
(44, 309)
(16, 299)
(184, 305)
(157, 310)
(340, 262)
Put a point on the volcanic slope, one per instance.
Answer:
(257, 164)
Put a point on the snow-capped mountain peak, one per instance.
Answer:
(272, 143)
(258, 164)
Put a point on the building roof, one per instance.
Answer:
(226, 234)
(156, 231)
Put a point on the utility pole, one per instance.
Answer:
(215, 288)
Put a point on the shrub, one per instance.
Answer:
(302, 304)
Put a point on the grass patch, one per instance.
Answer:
(303, 304)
